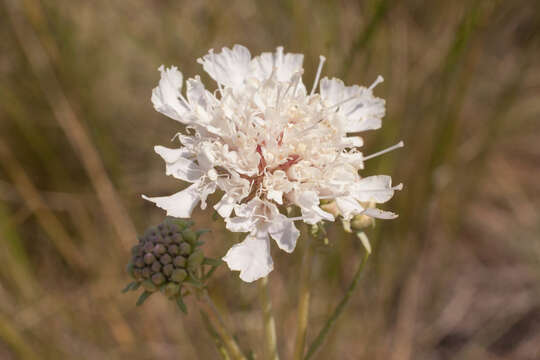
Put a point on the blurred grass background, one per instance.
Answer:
(457, 276)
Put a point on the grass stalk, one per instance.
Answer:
(364, 37)
(270, 343)
(70, 123)
(34, 201)
(15, 340)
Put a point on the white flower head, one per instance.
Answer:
(267, 143)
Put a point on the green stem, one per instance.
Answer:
(230, 344)
(303, 299)
(337, 311)
(270, 344)
(215, 335)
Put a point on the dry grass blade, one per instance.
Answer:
(69, 122)
(50, 223)
(13, 337)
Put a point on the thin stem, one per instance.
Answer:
(270, 344)
(215, 335)
(303, 299)
(337, 311)
(230, 344)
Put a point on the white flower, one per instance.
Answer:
(267, 143)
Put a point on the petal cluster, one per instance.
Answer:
(267, 144)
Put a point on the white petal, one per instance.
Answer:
(275, 195)
(206, 157)
(241, 224)
(380, 214)
(348, 207)
(332, 91)
(180, 204)
(197, 95)
(251, 257)
(308, 201)
(225, 206)
(178, 165)
(376, 188)
(285, 65)
(284, 232)
(204, 191)
(352, 141)
(356, 159)
(165, 96)
(229, 67)
(364, 112)
(361, 110)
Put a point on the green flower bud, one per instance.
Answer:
(180, 261)
(196, 259)
(152, 231)
(173, 249)
(171, 289)
(167, 240)
(185, 248)
(179, 275)
(158, 278)
(139, 262)
(149, 285)
(165, 259)
(168, 269)
(148, 246)
(177, 238)
(174, 228)
(149, 258)
(156, 266)
(159, 249)
(190, 236)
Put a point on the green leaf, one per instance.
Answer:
(181, 305)
(131, 286)
(209, 273)
(192, 280)
(135, 286)
(145, 295)
(212, 262)
(183, 224)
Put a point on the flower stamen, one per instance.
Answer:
(322, 59)
(391, 148)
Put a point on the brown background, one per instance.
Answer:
(455, 277)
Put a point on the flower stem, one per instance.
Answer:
(303, 299)
(215, 335)
(230, 344)
(270, 345)
(337, 311)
